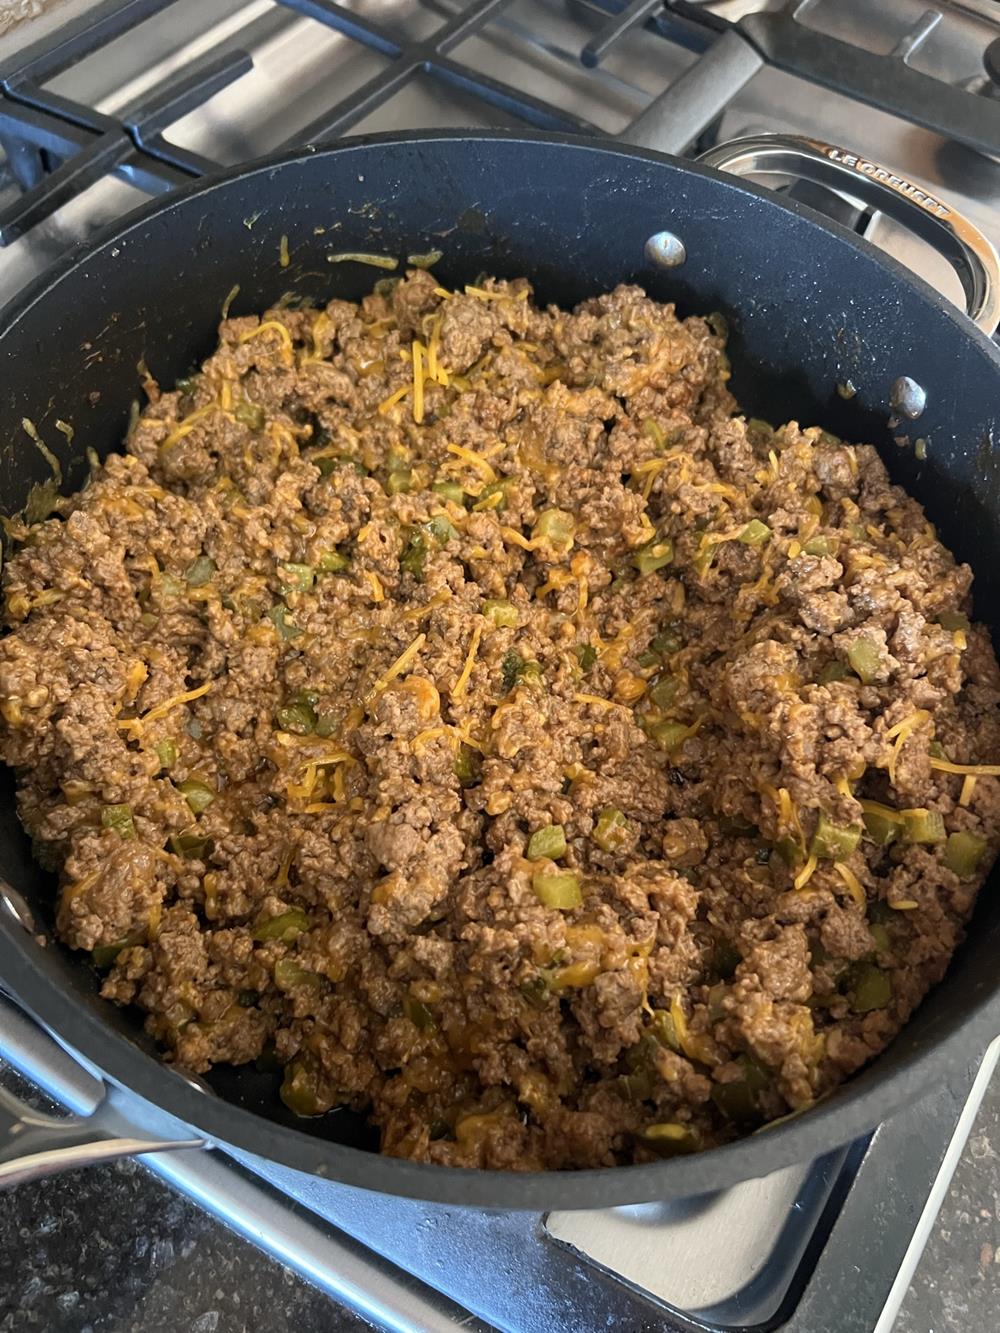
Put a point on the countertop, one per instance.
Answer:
(112, 1250)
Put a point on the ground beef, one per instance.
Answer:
(465, 705)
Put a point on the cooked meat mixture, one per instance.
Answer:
(463, 703)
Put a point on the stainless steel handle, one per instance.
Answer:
(33, 1144)
(969, 252)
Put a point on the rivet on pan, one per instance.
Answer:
(907, 397)
(665, 250)
(13, 903)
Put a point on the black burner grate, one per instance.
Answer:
(57, 147)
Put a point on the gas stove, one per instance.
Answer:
(104, 105)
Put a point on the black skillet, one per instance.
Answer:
(810, 307)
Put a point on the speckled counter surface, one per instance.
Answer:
(114, 1251)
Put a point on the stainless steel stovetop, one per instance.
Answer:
(103, 104)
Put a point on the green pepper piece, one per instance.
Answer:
(285, 926)
(326, 724)
(536, 991)
(333, 562)
(166, 752)
(297, 578)
(468, 766)
(558, 889)
(863, 656)
(171, 587)
(669, 734)
(789, 851)
(818, 546)
(668, 1139)
(655, 432)
(200, 571)
(119, 817)
(288, 973)
(198, 794)
(399, 481)
(441, 529)
(279, 618)
(738, 1100)
(834, 670)
(192, 846)
(298, 717)
(103, 955)
(880, 937)
(547, 842)
(418, 1014)
(760, 426)
(923, 826)
(484, 500)
(637, 1087)
(834, 842)
(531, 674)
(554, 528)
(413, 558)
(882, 830)
(664, 692)
(664, 1029)
(250, 414)
(755, 533)
(503, 614)
(611, 829)
(653, 556)
(963, 852)
(299, 1089)
(953, 620)
(667, 642)
(870, 988)
(450, 490)
(586, 655)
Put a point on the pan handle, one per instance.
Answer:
(33, 1144)
(970, 253)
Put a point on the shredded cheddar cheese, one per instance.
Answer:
(463, 680)
(977, 770)
(271, 325)
(418, 381)
(400, 665)
(854, 885)
(387, 403)
(806, 873)
(161, 710)
(476, 461)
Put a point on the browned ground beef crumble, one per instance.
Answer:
(292, 682)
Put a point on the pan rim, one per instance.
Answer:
(855, 1109)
